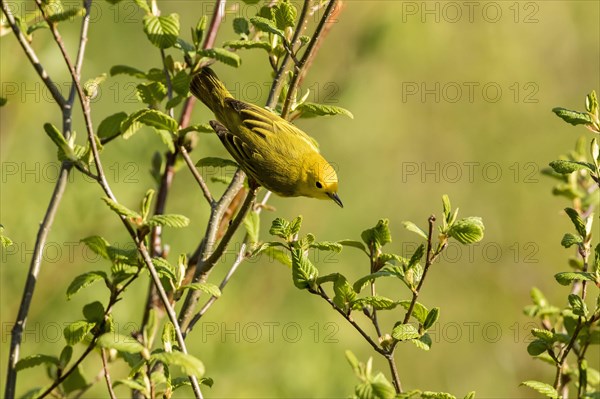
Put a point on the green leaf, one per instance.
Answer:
(223, 55)
(216, 162)
(147, 202)
(542, 388)
(121, 343)
(304, 273)
(60, 141)
(573, 117)
(35, 360)
(65, 356)
(344, 294)
(424, 342)
(569, 240)
(404, 332)
(111, 125)
(171, 220)
(377, 302)
(266, 25)
(121, 210)
(127, 70)
(151, 93)
(278, 255)
(241, 26)
(252, 225)
(354, 244)
(393, 271)
(311, 110)
(280, 228)
(162, 31)
(468, 230)
(181, 83)
(432, 317)
(94, 312)
(76, 331)
(538, 297)
(566, 278)
(98, 245)
(75, 381)
(410, 226)
(416, 257)
(133, 384)
(565, 167)
(295, 226)
(189, 364)
(208, 288)
(169, 337)
(200, 128)
(591, 103)
(436, 395)
(328, 246)
(247, 44)
(285, 15)
(84, 280)
(579, 307)
(377, 236)
(420, 312)
(164, 268)
(69, 13)
(470, 395)
(90, 87)
(537, 347)
(577, 221)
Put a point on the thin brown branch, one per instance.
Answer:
(306, 57)
(111, 392)
(394, 371)
(215, 21)
(33, 59)
(197, 175)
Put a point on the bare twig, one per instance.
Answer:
(304, 62)
(215, 21)
(111, 392)
(197, 176)
(394, 371)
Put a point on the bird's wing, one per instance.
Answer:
(267, 124)
(240, 150)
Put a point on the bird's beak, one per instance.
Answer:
(336, 199)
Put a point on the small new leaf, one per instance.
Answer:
(121, 343)
(431, 318)
(241, 26)
(76, 331)
(304, 273)
(247, 44)
(252, 225)
(216, 162)
(404, 332)
(121, 209)
(468, 230)
(223, 55)
(35, 360)
(416, 257)
(377, 236)
(569, 240)
(579, 307)
(420, 312)
(208, 288)
(566, 278)
(111, 125)
(162, 31)
(311, 110)
(285, 15)
(189, 364)
(168, 221)
(98, 245)
(565, 167)
(84, 280)
(266, 25)
(542, 388)
(573, 117)
(576, 220)
(344, 294)
(410, 226)
(127, 70)
(376, 302)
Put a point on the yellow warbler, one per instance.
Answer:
(272, 151)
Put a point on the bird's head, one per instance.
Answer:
(322, 182)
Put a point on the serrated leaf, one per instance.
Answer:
(304, 273)
(151, 93)
(566, 278)
(66, 15)
(377, 302)
(404, 332)
(538, 297)
(280, 228)
(252, 225)
(384, 272)
(377, 236)
(544, 335)
(569, 240)
(295, 225)
(132, 384)
(437, 395)
(94, 312)
(171, 220)
(241, 26)
(278, 255)
(431, 318)
(537, 347)
(576, 220)
(327, 246)
(573, 117)
(468, 230)
(98, 245)
(416, 257)
(121, 343)
(121, 209)
(76, 331)
(111, 125)
(164, 268)
(410, 226)
(169, 337)
(208, 288)
(420, 312)
(285, 15)
(90, 87)
(162, 31)
(344, 294)
(542, 388)
(223, 55)
(354, 244)
(200, 128)
(189, 364)
(84, 280)
(565, 167)
(311, 110)
(266, 25)
(181, 83)
(424, 342)
(579, 307)
(216, 162)
(35, 360)
(127, 70)
(247, 44)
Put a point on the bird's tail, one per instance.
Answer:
(207, 87)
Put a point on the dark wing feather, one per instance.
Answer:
(242, 153)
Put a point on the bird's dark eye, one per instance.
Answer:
(318, 184)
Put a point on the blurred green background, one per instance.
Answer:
(448, 98)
